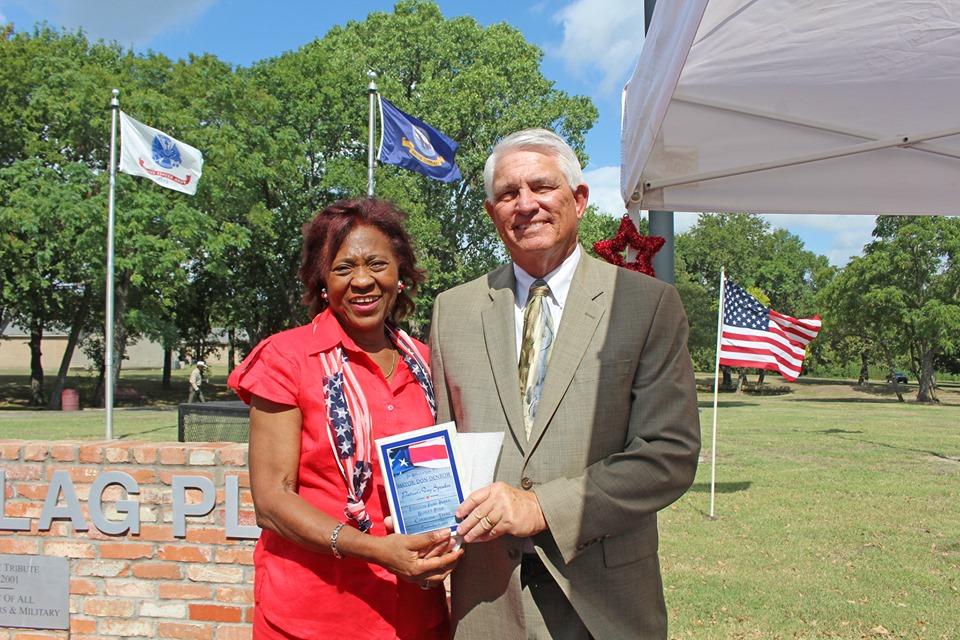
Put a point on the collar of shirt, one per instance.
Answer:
(559, 281)
(328, 333)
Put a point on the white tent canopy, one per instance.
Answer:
(796, 106)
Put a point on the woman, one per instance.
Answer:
(326, 566)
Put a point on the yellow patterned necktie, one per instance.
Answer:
(535, 347)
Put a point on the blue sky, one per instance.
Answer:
(590, 48)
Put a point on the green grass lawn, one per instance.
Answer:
(837, 517)
(838, 511)
(144, 409)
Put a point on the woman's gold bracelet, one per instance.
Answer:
(333, 541)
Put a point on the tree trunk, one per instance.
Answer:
(761, 377)
(727, 381)
(231, 352)
(167, 366)
(98, 396)
(864, 368)
(888, 356)
(36, 364)
(121, 293)
(928, 382)
(742, 380)
(76, 326)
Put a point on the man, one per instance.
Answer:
(196, 382)
(600, 419)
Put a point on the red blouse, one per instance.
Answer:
(313, 595)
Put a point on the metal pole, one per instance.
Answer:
(716, 392)
(661, 222)
(108, 329)
(372, 91)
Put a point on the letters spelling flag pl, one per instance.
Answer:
(412, 144)
(149, 152)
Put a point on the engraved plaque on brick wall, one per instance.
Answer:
(34, 592)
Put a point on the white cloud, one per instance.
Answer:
(129, 23)
(600, 35)
(841, 237)
(604, 183)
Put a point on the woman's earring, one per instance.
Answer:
(401, 287)
(323, 293)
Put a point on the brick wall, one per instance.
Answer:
(149, 584)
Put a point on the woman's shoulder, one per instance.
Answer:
(422, 348)
(295, 339)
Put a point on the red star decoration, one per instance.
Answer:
(612, 249)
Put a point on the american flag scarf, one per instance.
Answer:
(349, 427)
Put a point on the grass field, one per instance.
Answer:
(838, 511)
(838, 516)
(144, 410)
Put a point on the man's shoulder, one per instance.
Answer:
(623, 281)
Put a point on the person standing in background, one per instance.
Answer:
(196, 382)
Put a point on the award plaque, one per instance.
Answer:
(422, 478)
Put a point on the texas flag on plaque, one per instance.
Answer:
(431, 454)
(149, 152)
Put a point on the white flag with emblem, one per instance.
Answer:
(149, 152)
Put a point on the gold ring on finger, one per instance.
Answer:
(485, 523)
(478, 517)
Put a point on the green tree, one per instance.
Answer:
(772, 262)
(58, 86)
(903, 294)
(46, 216)
(476, 84)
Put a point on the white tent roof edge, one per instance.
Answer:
(672, 30)
(769, 106)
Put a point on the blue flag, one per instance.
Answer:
(412, 144)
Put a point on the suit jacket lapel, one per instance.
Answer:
(499, 333)
(581, 316)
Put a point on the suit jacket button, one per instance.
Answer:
(526, 484)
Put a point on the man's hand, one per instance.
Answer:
(499, 509)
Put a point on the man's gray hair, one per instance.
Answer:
(542, 140)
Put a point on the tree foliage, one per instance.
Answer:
(772, 264)
(281, 139)
(286, 136)
(902, 297)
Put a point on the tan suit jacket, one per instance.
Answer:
(616, 439)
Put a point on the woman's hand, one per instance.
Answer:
(425, 558)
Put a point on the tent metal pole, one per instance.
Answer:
(661, 222)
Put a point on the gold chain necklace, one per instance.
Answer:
(393, 367)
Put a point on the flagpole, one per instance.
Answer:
(372, 91)
(108, 330)
(716, 392)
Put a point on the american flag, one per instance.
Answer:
(759, 337)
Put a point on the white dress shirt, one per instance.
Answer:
(559, 282)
